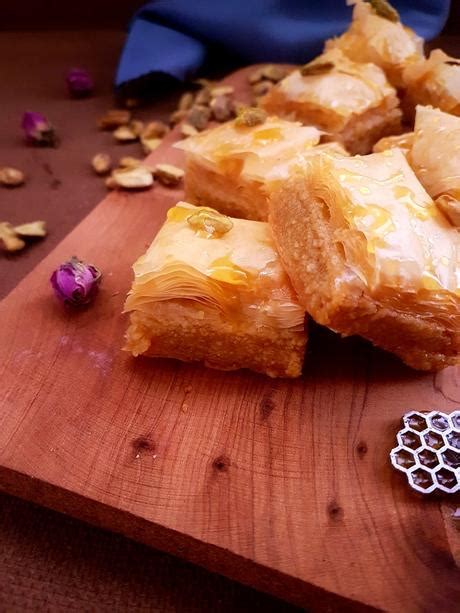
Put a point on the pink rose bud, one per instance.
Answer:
(38, 130)
(79, 82)
(76, 283)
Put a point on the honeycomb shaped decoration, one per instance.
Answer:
(428, 451)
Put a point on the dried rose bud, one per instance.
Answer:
(75, 282)
(79, 82)
(38, 130)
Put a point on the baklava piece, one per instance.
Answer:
(212, 289)
(369, 253)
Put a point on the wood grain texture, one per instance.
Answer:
(284, 485)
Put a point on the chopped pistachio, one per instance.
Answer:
(222, 90)
(261, 88)
(9, 237)
(450, 207)
(125, 134)
(187, 130)
(222, 108)
(137, 177)
(137, 126)
(251, 116)
(129, 162)
(168, 175)
(316, 68)
(186, 101)
(198, 116)
(273, 72)
(114, 119)
(211, 222)
(11, 177)
(150, 144)
(384, 9)
(177, 116)
(101, 163)
(33, 228)
(203, 97)
(155, 129)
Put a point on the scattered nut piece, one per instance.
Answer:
(114, 119)
(150, 144)
(450, 207)
(251, 116)
(187, 130)
(101, 163)
(186, 101)
(274, 73)
(10, 239)
(211, 222)
(177, 116)
(155, 129)
(316, 68)
(256, 76)
(198, 116)
(261, 88)
(129, 162)
(137, 126)
(203, 97)
(110, 183)
(222, 108)
(222, 90)
(11, 177)
(33, 228)
(125, 134)
(168, 175)
(137, 177)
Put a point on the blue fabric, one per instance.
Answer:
(174, 37)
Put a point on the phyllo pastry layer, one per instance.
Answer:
(377, 35)
(352, 101)
(212, 289)
(233, 166)
(369, 253)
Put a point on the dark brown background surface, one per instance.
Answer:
(48, 561)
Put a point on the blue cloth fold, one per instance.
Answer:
(175, 37)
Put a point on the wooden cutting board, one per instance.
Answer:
(283, 485)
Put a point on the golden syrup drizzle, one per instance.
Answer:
(231, 166)
(179, 213)
(223, 269)
(267, 135)
(406, 196)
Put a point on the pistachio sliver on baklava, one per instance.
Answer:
(212, 289)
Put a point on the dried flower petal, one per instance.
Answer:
(316, 68)
(155, 129)
(137, 177)
(251, 116)
(38, 130)
(125, 134)
(186, 101)
(101, 163)
(384, 9)
(129, 162)
(79, 82)
(168, 175)
(222, 108)
(150, 144)
(210, 222)
(9, 237)
(76, 283)
(32, 229)
(114, 119)
(11, 177)
(187, 130)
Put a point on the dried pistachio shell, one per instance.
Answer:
(198, 116)
(101, 163)
(450, 207)
(125, 134)
(10, 239)
(210, 222)
(384, 9)
(137, 177)
(114, 119)
(11, 177)
(222, 108)
(33, 228)
(168, 175)
(251, 116)
(203, 97)
(185, 101)
(222, 90)
(316, 68)
(129, 162)
(155, 129)
(150, 144)
(187, 130)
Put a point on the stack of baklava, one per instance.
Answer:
(318, 204)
